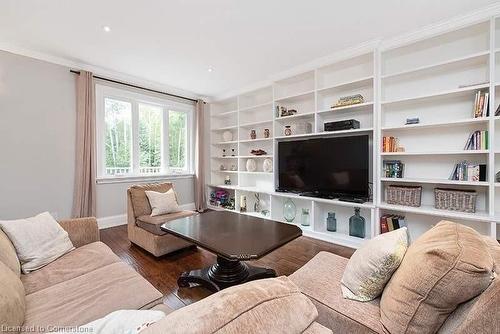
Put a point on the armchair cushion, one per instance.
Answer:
(81, 231)
(139, 200)
(152, 223)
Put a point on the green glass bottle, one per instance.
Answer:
(357, 225)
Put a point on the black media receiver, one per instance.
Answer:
(342, 125)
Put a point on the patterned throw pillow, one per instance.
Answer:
(371, 266)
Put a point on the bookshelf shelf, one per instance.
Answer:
(481, 54)
(255, 156)
(438, 94)
(224, 128)
(438, 124)
(265, 104)
(225, 114)
(295, 96)
(464, 152)
(246, 125)
(481, 216)
(226, 142)
(435, 181)
(255, 140)
(365, 80)
(351, 107)
(225, 171)
(230, 157)
(325, 134)
(298, 115)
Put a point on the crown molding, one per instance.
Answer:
(442, 27)
(97, 70)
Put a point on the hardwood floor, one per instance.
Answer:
(163, 272)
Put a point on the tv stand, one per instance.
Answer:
(352, 199)
(319, 194)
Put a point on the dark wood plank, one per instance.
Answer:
(163, 272)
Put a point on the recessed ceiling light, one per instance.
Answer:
(210, 69)
(106, 28)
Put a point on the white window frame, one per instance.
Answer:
(134, 98)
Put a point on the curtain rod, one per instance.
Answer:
(138, 87)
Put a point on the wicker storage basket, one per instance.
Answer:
(455, 200)
(404, 195)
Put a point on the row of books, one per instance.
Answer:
(393, 168)
(481, 105)
(478, 140)
(391, 222)
(466, 171)
(389, 144)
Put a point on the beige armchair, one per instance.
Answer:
(144, 230)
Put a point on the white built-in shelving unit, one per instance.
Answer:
(434, 78)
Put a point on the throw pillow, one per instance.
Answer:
(38, 240)
(12, 300)
(446, 266)
(162, 203)
(370, 267)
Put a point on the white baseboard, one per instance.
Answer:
(111, 221)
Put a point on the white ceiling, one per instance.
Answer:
(174, 42)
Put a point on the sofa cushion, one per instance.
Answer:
(272, 305)
(153, 223)
(78, 262)
(8, 254)
(371, 266)
(478, 315)
(89, 297)
(319, 279)
(38, 240)
(448, 265)
(140, 202)
(12, 299)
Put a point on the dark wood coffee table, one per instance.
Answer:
(233, 238)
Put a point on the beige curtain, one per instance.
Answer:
(199, 160)
(84, 196)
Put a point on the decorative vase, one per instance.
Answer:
(256, 206)
(331, 222)
(253, 134)
(233, 168)
(289, 210)
(288, 130)
(357, 225)
(267, 133)
(222, 167)
(233, 153)
(267, 166)
(227, 181)
(305, 221)
(227, 136)
(251, 165)
(243, 203)
(223, 152)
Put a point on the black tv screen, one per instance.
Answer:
(331, 165)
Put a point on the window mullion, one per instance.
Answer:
(165, 156)
(135, 139)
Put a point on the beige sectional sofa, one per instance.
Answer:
(320, 280)
(81, 286)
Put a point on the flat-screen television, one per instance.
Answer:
(337, 166)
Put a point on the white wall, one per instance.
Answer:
(37, 140)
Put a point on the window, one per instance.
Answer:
(141, 135)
